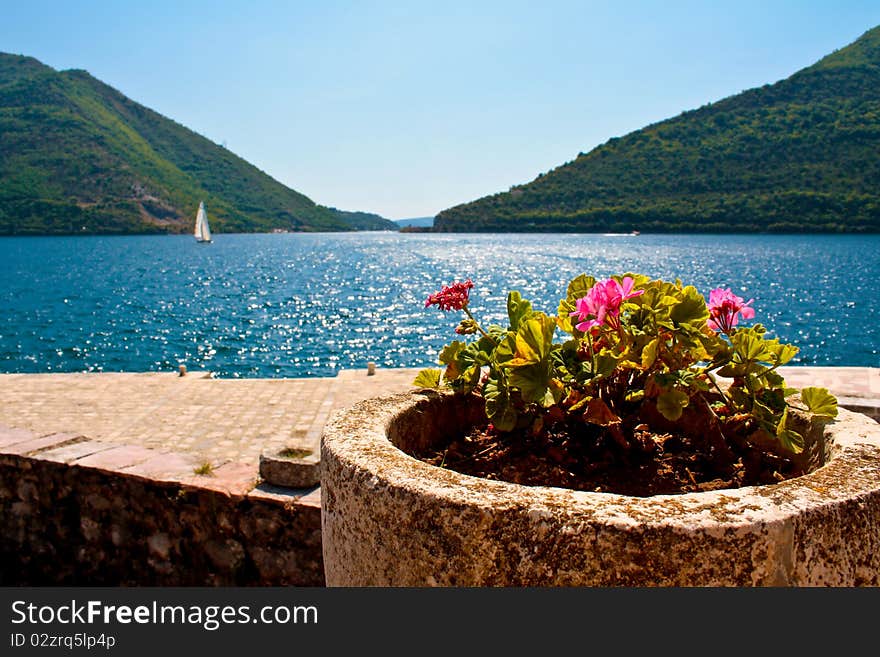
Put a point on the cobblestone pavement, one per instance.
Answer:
(221, 421)
(856, 388)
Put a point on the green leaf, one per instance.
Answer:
(578, 287)
(691, 309)
(790, 439)
(499, 410)
(774, 379)
(773, 398)
(716, 347)
(527, 350)
(527, 356)
(671, 404)
(655, 299)
(566, 357)
(533, 341)
(450, 352)
(563, 318)
(449, 356)
(429, 378)
(478, 353)
(605, 364)
(649, 353)
(466, 381)
(819, 401)
(740, 397)
(517, 309)
(731, 370)
(749, 346)
(506, 349)
(780, 427)
(776, 352)
(532, 381)
(786, 353)
(666, 379)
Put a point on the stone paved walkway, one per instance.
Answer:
(220, 421)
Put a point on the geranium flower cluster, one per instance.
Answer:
(451, 297)
(725, 307)
(602, 303)
(633, 342)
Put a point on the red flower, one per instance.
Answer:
(451, 297)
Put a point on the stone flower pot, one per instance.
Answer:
(391, 520)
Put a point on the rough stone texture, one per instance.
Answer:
(124, 506)
(290, 472)
(216, 420)
(81, 512)
(391, 520)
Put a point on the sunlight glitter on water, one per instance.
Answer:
(311, 304)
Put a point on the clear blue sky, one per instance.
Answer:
(407, 108)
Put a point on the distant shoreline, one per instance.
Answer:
(853, 233)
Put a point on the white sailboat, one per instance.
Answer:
(202, 230)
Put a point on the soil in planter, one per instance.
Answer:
(628, 459)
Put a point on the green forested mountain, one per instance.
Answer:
(77, 156)
(365, 220)
(799, 155)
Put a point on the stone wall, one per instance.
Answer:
(80, 512)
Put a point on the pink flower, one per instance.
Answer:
(625, 288)
(602, 303)
(724, 306)
(451, 297)
(594, 305)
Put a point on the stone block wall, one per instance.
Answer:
(79, 512)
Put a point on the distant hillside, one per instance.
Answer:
(365, 220)
(418, 222)
(799, 155)
(77, 156)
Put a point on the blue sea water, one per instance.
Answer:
(299, 305)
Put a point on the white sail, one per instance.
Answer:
(202, 231)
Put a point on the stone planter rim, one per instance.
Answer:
(358, 437)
